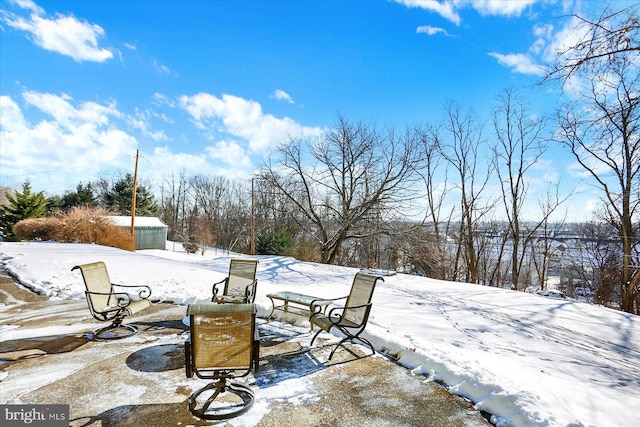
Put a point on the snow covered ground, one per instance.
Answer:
(527, 359)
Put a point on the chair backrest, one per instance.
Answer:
(242, 272)
(361, 294)
(222, 337)
(98, 284)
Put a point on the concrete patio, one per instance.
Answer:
(141, 381)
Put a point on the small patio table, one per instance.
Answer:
(295, 303)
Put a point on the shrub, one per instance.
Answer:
(79, 225)
(88, 225)
(190, 247)
(37, 228)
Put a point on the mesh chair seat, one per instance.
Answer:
(350, 319)
(326, 323)
(240, 285)
(230, 299)
(110, 302)
(224, 343)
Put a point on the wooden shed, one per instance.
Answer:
(150, 232)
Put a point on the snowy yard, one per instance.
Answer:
(527, 359)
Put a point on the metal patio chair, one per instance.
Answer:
(240, 285)
(350, 319)
(108, 303)
(224, 344)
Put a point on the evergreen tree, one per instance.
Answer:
(23, 205)
(54, 205)
(268, 243)
(83, 196)
(118, 198)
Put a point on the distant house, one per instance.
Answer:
(149, 231)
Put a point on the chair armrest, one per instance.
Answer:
(335, 317)
(123, 299)
(317, 308)
(144, 293)
(250, 291)
(215, 290)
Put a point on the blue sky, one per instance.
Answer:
(212, 87)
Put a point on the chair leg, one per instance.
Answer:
(315, 336)
(187, 360)
(338, 345)
(222, 412)
(114, 331)
(351, 337)
(367, 342)
(256, 357)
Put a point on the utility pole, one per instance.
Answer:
(133, 196)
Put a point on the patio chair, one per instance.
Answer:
(107, 303)
(224, 343)
(240, 285)
(350, 319)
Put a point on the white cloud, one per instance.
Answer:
(243, 119)
(141, 121)
(281, 95)
(229, 152)
(162, 69)
(61, 109)
(12, 118)
(450, 9)
(544, 50)
(162, 99)
(76, 140)
(591, 206)
(500, 7)
(600, 168)
(431, 31)
(28, 4)
(569, 35)
(519, 63)
(63, 34)
(542, 32)
(57, 141)
(545, 171)
(445, 9)
(162, 161)
(156, 166)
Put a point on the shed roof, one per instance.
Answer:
(141, 221)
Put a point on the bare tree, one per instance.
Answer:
(424, 254)
(429, 249)
(612, 36)
(338, 182)
(519, 146)
(491, 263)
(175, 203)
(542, 251)
(274, 221)
(595, 267)
(460, 142)
(226, 206)
(602, 128)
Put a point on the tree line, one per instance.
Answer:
(374, 197)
